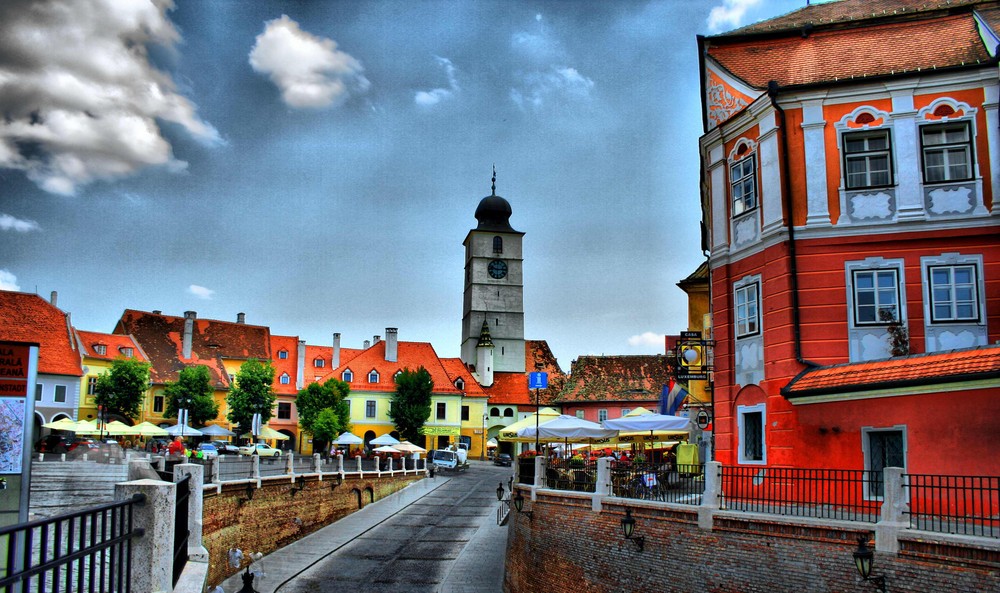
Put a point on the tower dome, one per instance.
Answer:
(493, 212)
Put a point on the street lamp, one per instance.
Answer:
(628, 529)
(864, 558)
(482, 451)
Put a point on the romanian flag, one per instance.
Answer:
(672, 397)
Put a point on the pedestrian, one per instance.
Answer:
(176, 448)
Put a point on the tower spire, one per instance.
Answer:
(494, 186)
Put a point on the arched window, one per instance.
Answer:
(498, 244)
(347, 375)
(373, 376)
(508, 413)
(494, 412)
(285, 379)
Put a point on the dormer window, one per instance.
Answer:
(319, 363)
(126, 351)
(460, 384)
(100, 349)
(282, 354)
(347, 376)
(373, 376)
(285, 379)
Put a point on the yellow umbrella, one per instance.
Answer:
(62, 424)
(118, 428)
(509, 433)
(408, 447)
(266, 432)
(148, 429)
(87, 427)
(640, 411)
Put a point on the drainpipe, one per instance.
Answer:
(793, 270)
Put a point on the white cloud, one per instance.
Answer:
(555, 85)
(8, 281)
(201, 292)
(308, 70)
(647, 339)
(79, 96)
(434, 96)
(729, 15)
(9, 223)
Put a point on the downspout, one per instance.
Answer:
(786, 195)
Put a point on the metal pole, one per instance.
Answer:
(537, 410)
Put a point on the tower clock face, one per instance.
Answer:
(497, 269)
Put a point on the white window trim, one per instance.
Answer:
(319, 363)
(374, 373)
(866, 452)
(282, 354)
(951, 260)
(374, 408)
(844, 126)
(740, 285)
(285, 379)
(869, 265)
(347, 376)
(602, 415)
(739, 161)
(741, 411)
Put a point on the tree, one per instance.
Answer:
(411, 403)
(251, 394)
(324, 410)
(192, 391)
(122, 388)
(899, 338)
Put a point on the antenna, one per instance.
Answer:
(494, 186)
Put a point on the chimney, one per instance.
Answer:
(157, 312)
(241, 318)
(189, 317)
(391, 345)
(54, 298)
(367, 345)
(300, 373)
(336, 350)
(376, 339)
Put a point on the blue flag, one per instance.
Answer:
(671, 398)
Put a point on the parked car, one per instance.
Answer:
(208, 450)
(225, 447)
(52, 443)
(503, 459)
(262, 449)
(80, 447)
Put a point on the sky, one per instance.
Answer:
(317, 164)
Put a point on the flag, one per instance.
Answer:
(672, 397)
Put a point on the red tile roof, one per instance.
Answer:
(512, 388)
(113, 345)
(848, 12)
(288, 365)
(409, 355)
(616, 378)
(855, 50)
(161, 338)
(934, 368)
(456, 369)
(30, 318)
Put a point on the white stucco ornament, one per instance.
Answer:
(871, 206)
(953, 341)
(874, 346)
(948, 201)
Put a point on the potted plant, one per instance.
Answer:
(526, 466)
(577, 462)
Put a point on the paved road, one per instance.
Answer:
(445, 541)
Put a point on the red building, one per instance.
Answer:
(851, 193)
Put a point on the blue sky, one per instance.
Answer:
(317, 165)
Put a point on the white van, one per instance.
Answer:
(445, 459)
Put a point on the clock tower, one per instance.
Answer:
(494, 289)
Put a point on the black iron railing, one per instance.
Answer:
(967, 505)
(181, 526)
(85, 551)
(821, 493)
(683, 484)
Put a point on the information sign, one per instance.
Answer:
(538, 380)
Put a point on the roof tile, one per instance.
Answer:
(28, 317)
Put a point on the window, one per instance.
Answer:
(347, 375)
(285, 379)
(442, 411)
(126, 351)
(319, 363)
(158, 404)
(60, 394)
(867, 159)
(100, 349)
(284, 411)
(947, 152)
(497, 244)
(460, 384)
(370, 408)
(465, 413)
(625, 412)
(882, 448)
(579, 414)
(875, 291)
(747, 311)
(751, 426)
(495, 412)
(508, 413)
(954, 293)
(38, 392)
(743, 183)
(373, 377)
(282, 354)
(91, 385)
(602, 415)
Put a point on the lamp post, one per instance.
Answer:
(864, 558)
(482, 451)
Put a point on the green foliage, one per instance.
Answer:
(252, 394)
(192, 390)
(122, 388)
(324, 410)
(411, 403)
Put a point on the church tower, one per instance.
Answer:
(494, 289)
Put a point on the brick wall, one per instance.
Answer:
(566, 547)
(274, 517)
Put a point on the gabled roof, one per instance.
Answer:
(288, 365)
(212, 341)
(28, 317)
(409, 355)
(852, 40)
(616, 378)
(113, 345)
(934, 368)
(456, 369)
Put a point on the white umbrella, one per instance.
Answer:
(216, 431)
(653, 422)
(182, 430)
(568, 427)
(408, 447)
(386, 449)
(348, 438)
(386, 439)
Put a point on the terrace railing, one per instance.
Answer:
(966, 505)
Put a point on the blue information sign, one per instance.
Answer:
(538, 380)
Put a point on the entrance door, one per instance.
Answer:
(885, 449)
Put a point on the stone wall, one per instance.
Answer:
(569, 544)
(275, 517)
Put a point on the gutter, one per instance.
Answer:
(786, 391)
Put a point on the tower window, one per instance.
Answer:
(497, 244)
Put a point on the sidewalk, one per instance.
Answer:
(286, 563)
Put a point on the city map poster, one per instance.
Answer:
(12, 413)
